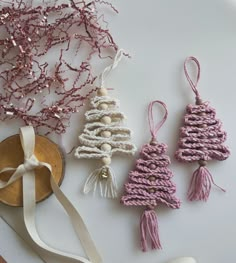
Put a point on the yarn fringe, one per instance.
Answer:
(200, 185)
(149, 230)
(104, 179)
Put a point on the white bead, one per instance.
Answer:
(183, 260)
(105, 147)
(106, 119)
(106, 160)
(103, 106)
(102, 92)
(106, 134)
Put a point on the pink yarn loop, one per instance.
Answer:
(154, 128)
(191, 83)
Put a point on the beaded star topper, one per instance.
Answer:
(201, 140)
(150, 183)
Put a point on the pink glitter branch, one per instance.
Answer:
(28, 33)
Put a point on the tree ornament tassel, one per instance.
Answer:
(103, 178)
(149, 230)
(200, 185)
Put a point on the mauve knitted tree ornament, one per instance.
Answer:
(150, 183)
(201, 140)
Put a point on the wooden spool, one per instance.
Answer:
(11, 155)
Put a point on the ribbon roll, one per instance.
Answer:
(26, 172)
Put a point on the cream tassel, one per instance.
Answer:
(104, 179)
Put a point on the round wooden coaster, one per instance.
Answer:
(11, 155)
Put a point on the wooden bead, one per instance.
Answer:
(106, 134)
(153, 154)
(153, 141)
(203, 126)
(151, 191)
(103, 106)
(152, 178)
(152, 166)
(106, 160)
(106, 119)
(202, 163)
(106, 147)
(199, 101)
(102, 92)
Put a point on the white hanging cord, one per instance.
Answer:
(106, 72)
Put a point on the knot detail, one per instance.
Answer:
(31, 163)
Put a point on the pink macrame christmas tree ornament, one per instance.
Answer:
(150, 184)
(201, 140)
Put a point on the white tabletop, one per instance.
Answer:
(159, 35)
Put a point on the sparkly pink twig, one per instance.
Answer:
(28, 33)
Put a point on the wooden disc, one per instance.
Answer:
(11, 155)
(2, 260)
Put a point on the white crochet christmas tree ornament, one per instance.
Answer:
(103, 136)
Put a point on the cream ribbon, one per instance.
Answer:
(106, 72)
(26, 172)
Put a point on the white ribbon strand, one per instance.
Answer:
(26, 172)
(120, 53)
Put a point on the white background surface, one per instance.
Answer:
(159, 35)
(17, 244)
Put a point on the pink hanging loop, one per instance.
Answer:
(154, 128)
(191, 83)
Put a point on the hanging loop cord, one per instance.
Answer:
(154, 128)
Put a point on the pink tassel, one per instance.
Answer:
(149, 230)
(200, 185)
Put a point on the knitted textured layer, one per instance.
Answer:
(201, 137)
(150, 184)
(97, 133)
(102, 137)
